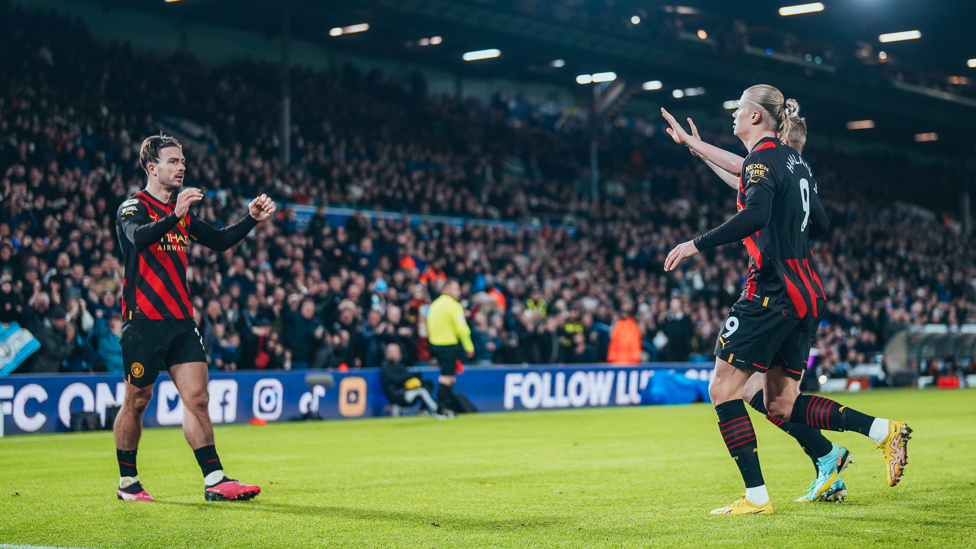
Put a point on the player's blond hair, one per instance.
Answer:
(783, 113)
(797, 136)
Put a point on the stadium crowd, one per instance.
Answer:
(300, 293)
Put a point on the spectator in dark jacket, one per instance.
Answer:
(55, 345)
(82, 357)
(304, 335)
(679, 330)
(374, 337)
(255, 335)
(485, 340)
(403, 386)
(547, 341)
(37, 311)
(229, 349)
(579, 352)
(349, 330)
(10, 301)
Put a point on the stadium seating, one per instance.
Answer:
(73, 112)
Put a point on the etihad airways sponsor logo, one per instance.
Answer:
(173, 242)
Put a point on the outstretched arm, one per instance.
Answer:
(730, 179)
(259, 209)
(725, 160)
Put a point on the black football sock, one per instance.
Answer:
(824, 413)
(208, 460)
(127, 462)
(740, 438)
(814, 444)
(444, 397)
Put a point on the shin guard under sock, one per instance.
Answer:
(127, 462)
(823, 413)
(740, 439)
(814, 444)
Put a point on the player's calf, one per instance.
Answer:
(740, 439)
(891, 435)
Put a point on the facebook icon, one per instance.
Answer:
(223, 400)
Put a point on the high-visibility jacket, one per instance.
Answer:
(446, 324)
(541, 307)
(625, 342)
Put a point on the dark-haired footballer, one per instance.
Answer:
(159, 331)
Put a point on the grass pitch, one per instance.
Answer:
(641, 476)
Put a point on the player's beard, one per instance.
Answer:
(174, 184)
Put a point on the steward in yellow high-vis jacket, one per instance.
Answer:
(448, 331)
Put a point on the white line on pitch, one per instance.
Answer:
(5, 546)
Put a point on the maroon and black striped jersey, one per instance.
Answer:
(782, 271)
(154, 243)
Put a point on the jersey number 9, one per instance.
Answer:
(805, 199)
(731, 324)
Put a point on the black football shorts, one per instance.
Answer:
(447, 358)
(757, 338)
(150, 346)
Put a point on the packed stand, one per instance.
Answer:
(312, 295)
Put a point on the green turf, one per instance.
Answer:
(641, 476)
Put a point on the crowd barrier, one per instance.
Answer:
(44, 403)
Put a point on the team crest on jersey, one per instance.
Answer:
(137, 369)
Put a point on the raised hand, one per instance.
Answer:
(676, 132)
(694, 133)
(189, 196)
(680, 252)
(261, 207)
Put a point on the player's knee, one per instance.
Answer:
(137, 398)
(779, 408)
(718, 392)
(446, 380)
(715, 395)
(197, 400)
